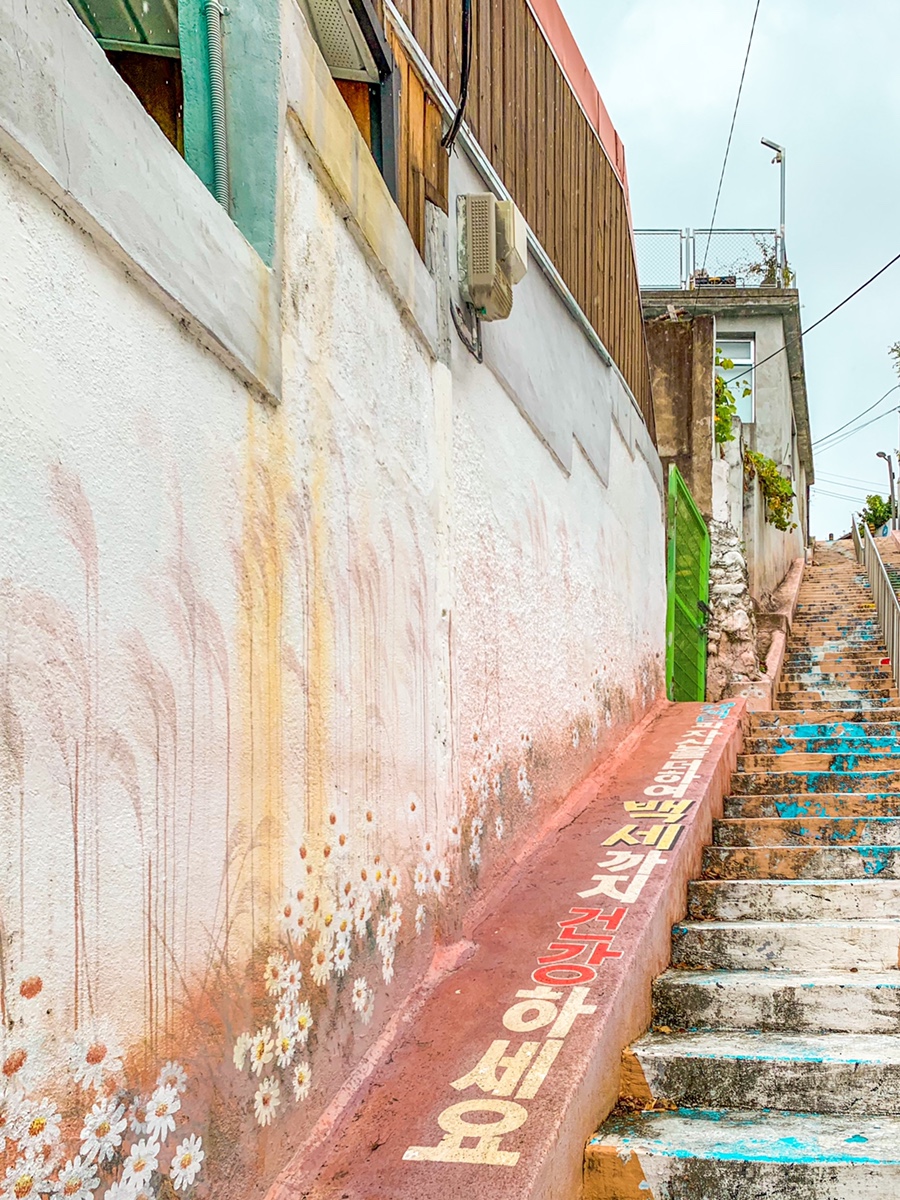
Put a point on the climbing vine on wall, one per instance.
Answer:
(726, 404)
(778, 492)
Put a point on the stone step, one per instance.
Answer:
(807, 831)
(794, 900)
(827, 704)
(846, 744)
(800, 760)
(762, 723)
(836, 687)
(822, 804)
(867, 1002)
(737, 1155)
(814, 1073)
(787, 945)
(751, 783)
(801, 862)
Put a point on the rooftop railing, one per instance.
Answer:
(680, 259)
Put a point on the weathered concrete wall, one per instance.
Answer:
(769, 551)
(283, 687)
(682, 373)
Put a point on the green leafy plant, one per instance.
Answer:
(778, 492)
(726, 404)
(894, 352)
(767, 270)
(876, 513)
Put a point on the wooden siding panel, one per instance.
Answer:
(528, 121)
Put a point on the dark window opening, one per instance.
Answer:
(156, 81)
(141, 43)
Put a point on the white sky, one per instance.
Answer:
(823, 81)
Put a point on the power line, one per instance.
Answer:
(855, 430)
(730, 136)
(826, 436)
(803, 332)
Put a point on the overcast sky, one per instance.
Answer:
(823, 81)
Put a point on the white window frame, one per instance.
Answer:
(744, 363)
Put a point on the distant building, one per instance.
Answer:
(734, 311)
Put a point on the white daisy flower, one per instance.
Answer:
(496, 784)
(173, 1075)
(142, 1161)
(123, 1191)
(273, 975)
(10, 1118)
(440, 877)
(283, 1014)
(393, 883)
(95, 1054)
(343, 924)
(420, 918)
(103, 1129)
(477, 828)
(525, 740)
(475, 853)
(377, 877)
(429, 847)
(138, 1118)
(26, 1180)
(262, 1050)
(340, 957)
(384, 938)
(302, 1080)
(362, 914)
(293, 978)
(303, 1022)
(76, 1180)
(164, 1104)
(576, 737)
(301, 926)
(37, 1127)
(285, 1045)
(242, 1045)
(495, 752)
(267, 1100)
(395, 920)
(454, 834)
(361, 994)
(321, 966)
(387, 966)
(287, 914)
(595, 729)
(498, 827)
(421, 879)
(186, 1164)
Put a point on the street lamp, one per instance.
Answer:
(780, 156)
(890, 463)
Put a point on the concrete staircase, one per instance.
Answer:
(773, 1066)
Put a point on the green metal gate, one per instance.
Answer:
(688, 593)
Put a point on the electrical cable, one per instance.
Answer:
(730, 136)
(803, 332)
(450, 136)
(856, 429)
(825, 436)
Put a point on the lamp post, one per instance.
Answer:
(890, 465)
(780, 156)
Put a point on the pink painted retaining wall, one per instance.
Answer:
(511, 1061)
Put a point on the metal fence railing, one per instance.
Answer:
(678, 259)
(887, 606)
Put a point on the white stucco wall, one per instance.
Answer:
(251, 652)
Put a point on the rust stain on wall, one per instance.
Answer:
(260, 571)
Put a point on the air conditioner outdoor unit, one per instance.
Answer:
(493, 253)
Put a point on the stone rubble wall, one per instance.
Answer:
(732, 642)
